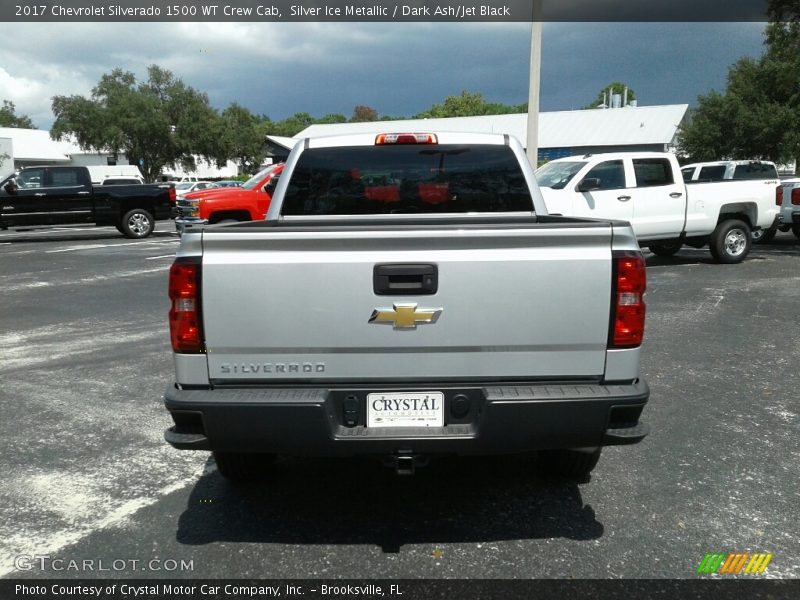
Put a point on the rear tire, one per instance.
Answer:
(731, 241)
(665, 249)
(796, 230)
(137, 224)
(239, 466)
(572, 464)
(764, 236)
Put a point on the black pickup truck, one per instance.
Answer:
(55, 195)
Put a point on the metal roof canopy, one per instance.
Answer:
(640, 125)
(36, 145)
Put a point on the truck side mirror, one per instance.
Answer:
(10, 188)
(589, 184)
(269, 188)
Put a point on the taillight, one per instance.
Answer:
(796, 196)
(778, 196)
(172, 197)
(628, 309)
(384, 139)
(184, 316)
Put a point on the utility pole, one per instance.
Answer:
(534, 84)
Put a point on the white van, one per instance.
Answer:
(100, 173)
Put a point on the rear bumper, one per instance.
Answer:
(789, 216)
(498, 419)
(184, 223)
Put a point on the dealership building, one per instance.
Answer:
(28, 147)
(561, 133)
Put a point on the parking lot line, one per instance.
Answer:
(157, 257)
(96, 246)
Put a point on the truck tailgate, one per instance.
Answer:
(516, 302)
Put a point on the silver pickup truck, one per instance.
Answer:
(407, 296)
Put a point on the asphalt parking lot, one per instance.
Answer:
(86, 475)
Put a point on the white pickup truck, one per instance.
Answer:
(407, 296)
(647, 189)
(723, 170)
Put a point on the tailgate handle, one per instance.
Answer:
(405, 280)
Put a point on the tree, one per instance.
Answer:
(618, 88)
(758, 114)
(9, 117)
(242, 137)
(332, 118)
(468, 104)
(362, 114)
(161, 122)
(291, 125)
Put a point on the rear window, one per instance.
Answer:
(714, 173)
(652, 172)
(755, 171)
(64, 178)
(406, 179)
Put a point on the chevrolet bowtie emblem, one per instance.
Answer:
(405, 316)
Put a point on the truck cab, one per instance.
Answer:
(46, 195)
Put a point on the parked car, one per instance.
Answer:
(54, 195)
(473, 324)
(250, 202)
(229, 183)
(186, 187)
(647, 189)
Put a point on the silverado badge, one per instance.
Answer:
(405, 316)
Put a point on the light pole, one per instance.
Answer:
(534, 84)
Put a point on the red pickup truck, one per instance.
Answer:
(249, 202)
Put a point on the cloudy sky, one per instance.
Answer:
(399, 69)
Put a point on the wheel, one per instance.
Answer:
(574, 464)
(226, 221)
(796, 230)
(731, 241)
(137, 223)
(665, 249)
(763, 236)
(239, 466)
(119, 228)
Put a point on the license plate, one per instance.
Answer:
(400, 409)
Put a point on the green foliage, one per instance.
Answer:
(9, 117)
(332, 118)
(290, 125)
(468, 104)
(758, 114)
(161, 121)
(242, 138)
(618, 88)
